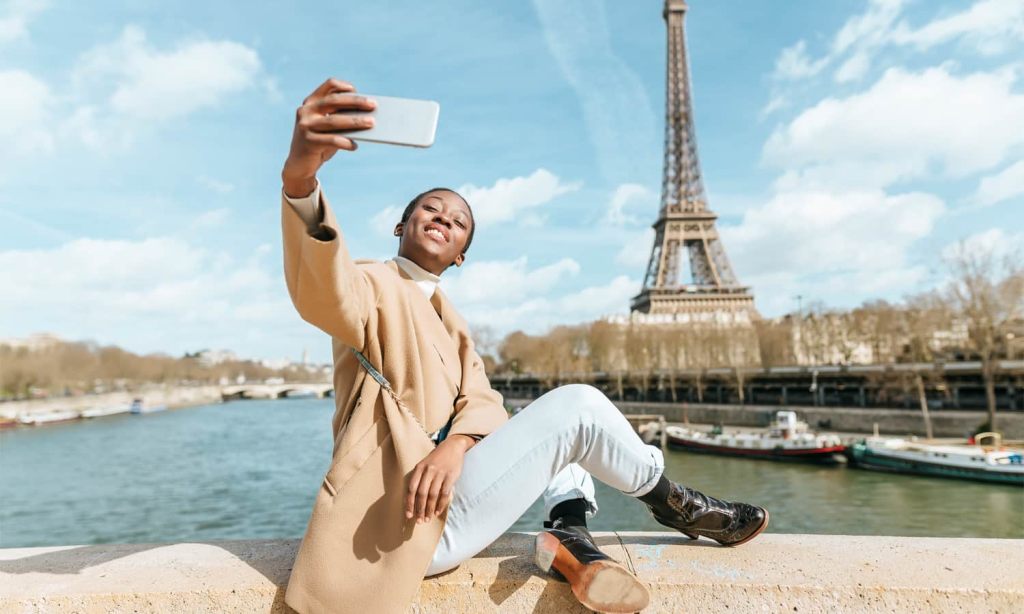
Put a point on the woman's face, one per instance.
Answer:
(436, 232)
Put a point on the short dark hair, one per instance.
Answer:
(416, 199)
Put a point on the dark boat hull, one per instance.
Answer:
(825, 456)
(862, 457)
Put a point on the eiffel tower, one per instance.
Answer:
(710, 291)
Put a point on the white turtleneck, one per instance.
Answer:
(426, 280)
(308, 208)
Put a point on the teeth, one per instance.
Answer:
(436, 232)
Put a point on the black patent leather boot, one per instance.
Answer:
(697, 515)
(598, 581)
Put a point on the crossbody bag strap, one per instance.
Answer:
(374, 373)
(439, 435)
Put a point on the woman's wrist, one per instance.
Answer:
(462, 442)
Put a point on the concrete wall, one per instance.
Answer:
(774, 573)
(171, 396)
(945, 423)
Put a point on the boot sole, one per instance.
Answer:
(603, 586)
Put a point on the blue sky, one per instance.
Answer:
(847, 147)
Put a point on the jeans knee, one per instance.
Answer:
(589, 402)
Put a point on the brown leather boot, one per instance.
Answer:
(598, 581)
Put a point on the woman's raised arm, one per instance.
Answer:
(326, 287)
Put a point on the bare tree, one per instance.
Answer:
(988, 293)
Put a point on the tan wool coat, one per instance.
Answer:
(359, 553)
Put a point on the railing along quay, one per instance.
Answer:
(951, 385)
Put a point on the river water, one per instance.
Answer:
(251, 469)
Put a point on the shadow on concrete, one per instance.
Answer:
(272, 558)
(668, 539)
(264, 556)
(73, 559)
(515, 572)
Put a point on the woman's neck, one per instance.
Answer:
(426, 280)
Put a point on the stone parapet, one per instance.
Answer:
(774, 573)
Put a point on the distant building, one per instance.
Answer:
(276, 364)
(33, 343)
(209, 358)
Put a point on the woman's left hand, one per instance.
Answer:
(433, 479)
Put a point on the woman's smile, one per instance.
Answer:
(436, 233)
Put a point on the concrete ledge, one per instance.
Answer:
(802, 573)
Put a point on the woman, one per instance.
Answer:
(427, 470)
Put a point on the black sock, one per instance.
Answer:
(658, 494)
(572, 512)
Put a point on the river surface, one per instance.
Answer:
(250, 469)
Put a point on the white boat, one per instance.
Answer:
(137, 407)
(787, 439)
(96, 412)
(37, 418)
(986, 459)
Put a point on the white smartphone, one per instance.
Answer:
(400, 121)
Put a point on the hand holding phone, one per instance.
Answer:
(399, 121)
(323, 125)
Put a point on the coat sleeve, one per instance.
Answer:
(327, 288)
(479, 409)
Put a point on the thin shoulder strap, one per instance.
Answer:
(436, 436)
(374, 373)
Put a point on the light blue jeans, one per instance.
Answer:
(550, 448)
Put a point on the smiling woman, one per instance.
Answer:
(445, 216)
(426, 472)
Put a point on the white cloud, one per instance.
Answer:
(514, 199)
(15, 19)
(211, 218)
(776, 292)
(1004, 185)
(595, 301)
(636, 248)
(988, 26)
(507, 295)
(995, 241)
(25, 106)
(854, 68)
(868, 29)
(383, 222)
(991, 25)
(495, 282)
(119, 89)
(834, 227)
(777, 102)
(154, 84)
(905, 126)
(216, 185)
(815, 232)
(794, 63)
(627, 195)
(160, 293)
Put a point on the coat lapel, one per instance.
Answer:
(432, 323)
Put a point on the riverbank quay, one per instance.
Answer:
(801, 573)
(174, 397)
(945, 423)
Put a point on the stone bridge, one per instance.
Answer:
(275, 391)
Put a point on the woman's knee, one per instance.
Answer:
(587, 400)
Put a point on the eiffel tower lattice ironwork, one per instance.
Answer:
(708, 290)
